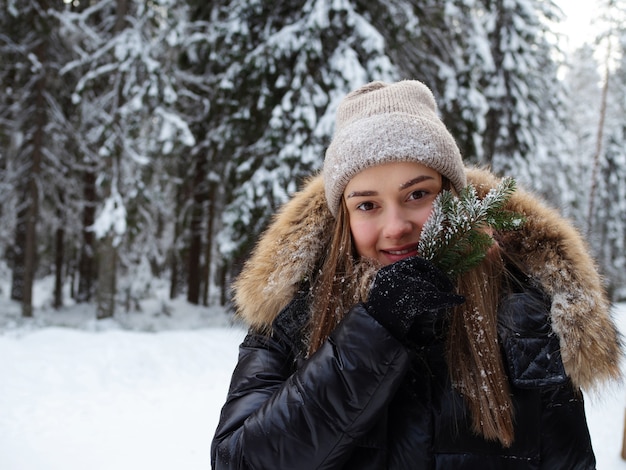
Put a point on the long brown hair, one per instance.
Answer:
(341, 283)
(473, 353)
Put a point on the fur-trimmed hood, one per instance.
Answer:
(556, 255)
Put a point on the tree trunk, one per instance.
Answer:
(208, 258)
(107, 264)
(59, 261)
(31, 212)
(86, 263)
(107, 249)
(17, 254)
(196, 232)
(30, 232)
(223, 286)
(598, 151)
(122, 11)
(175, 251)
(174, 271)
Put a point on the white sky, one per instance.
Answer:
(577, 23)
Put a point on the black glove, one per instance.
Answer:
(410, 298)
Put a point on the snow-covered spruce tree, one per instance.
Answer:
(166, 139)
(609, 227)
(32, 110)
(462, 76)
(291, 64)
(607, 205)
(126, 98)
(201, 170)
(582, 111)
(9, 139)
(523, 125)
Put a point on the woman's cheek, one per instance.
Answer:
(364, 235)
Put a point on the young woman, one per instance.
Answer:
(361, 354)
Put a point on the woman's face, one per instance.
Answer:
(387, 207)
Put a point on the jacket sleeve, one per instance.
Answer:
(310, 418)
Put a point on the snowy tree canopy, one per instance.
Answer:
(166, 134)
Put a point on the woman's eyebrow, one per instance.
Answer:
(419, 179)
(362, 194)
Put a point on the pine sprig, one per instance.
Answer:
(456, 237)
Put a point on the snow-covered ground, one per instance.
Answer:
(144, 391)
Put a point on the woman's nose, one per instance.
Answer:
(397, 225)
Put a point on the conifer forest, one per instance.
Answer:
(145, 141)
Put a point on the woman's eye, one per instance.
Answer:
(365, 206)
(417, 194)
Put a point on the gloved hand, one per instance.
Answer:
(410, 298)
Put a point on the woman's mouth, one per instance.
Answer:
(400, 252)
(396, 254)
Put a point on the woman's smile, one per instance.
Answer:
(396, 254)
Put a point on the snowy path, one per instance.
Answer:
(116, 400)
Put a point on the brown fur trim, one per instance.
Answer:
(554, 252)
(285, 255)
(557, 256)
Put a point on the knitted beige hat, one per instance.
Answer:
(381, 123)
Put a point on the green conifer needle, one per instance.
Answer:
(456, 237)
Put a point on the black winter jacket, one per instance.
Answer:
(365, 401)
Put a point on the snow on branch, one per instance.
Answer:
(457, 237)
